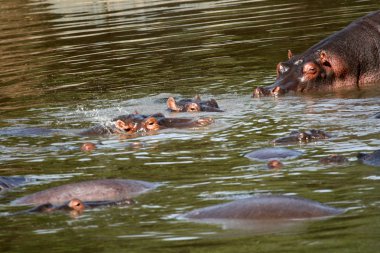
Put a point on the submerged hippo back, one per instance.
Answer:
(94, 190)
(265, 208)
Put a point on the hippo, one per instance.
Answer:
(88, 147)
(264, 207)
(275, 164)
(302, 137)
(75, 205)
(140, 123)
(348, 58)
(92, 190)
(370, 159)
(10, 182)
(272, 153)
(333, 159)
(193, 105)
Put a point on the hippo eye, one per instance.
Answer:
(310, 68)
(283, 69)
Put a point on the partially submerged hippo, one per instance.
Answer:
(193, 105)
(348, 58)
(135, 123)
(75, 205)
(302, 137)
(92, 190)
(370, 159)
(10, 182)
(334, 159)
(272, 207)
(265, 154)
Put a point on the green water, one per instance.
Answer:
(67, 65)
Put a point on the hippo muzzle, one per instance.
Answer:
(272, 90)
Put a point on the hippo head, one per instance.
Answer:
(310, 71)
(132, 123)
(193, 105)
(185, 105)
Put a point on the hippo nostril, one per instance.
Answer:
(259, 92)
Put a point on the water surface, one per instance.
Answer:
(68, 65)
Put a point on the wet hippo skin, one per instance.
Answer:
(192, 105)
(140, 123)
(272, 153)
(265, 208)
(92, 190)
(372, 159)
(348, 58)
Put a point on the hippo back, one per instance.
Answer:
(93, 190)
(265, 208)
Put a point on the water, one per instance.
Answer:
(67, 65)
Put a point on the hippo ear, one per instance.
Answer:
(120, 124)
(214, 103)
(323, 57)
(197, 98)
(172, 105)
(290, 54)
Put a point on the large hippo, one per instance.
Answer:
(92, 190)
(193, 105)
(370, 159)
(266, 207)
(348, 58)
(135, 123)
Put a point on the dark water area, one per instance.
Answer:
(68, 65)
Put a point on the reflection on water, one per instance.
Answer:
(68, 65)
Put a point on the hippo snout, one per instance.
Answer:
(268, 91)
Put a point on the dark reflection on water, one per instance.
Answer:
(67, 65)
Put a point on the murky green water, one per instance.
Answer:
(67, 65)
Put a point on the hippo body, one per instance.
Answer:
(140, 123)
(348, 58)
(273, 207)
(370, 159)
(302, 137)
(92, 190)
(265, 154)
(192, 105)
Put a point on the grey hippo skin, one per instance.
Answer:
(370, 159)
(272, 207)
(265, 154)
(93, 190)
(348, 58)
